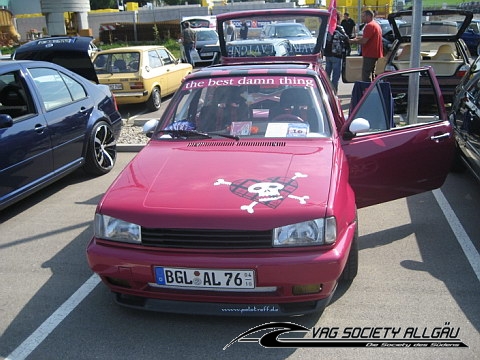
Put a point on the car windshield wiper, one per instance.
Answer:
(176, 133)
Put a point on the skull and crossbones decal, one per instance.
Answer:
(271, 191)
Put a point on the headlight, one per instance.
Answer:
(110, 228)
(308, 233)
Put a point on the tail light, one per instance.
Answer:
(462, 70)
(136, 85)
(115, 102)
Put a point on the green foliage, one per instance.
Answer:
(103, 4)
(156, 34)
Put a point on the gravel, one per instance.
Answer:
(132, 135)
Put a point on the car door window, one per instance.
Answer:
(53, 89)
(166, 58)
(76, 89)
(389, 106)
(154, 59)
(15, 97)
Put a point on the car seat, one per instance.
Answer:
(120, 64)
(226, 106)
(444, 53)
(298, 102)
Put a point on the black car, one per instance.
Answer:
(465, 116)
(52, 120)
(471, 36)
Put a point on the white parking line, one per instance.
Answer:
(463, 239)
(26, 348)
(40, 334)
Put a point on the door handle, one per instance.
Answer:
(437, 138)
(83, 110)
(39, 128)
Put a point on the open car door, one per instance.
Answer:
(397, 146)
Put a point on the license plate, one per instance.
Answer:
(206, 54)
(115, 86)
(204, 278)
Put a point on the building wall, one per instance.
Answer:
(160, 14)
(25, 7)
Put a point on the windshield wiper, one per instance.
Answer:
(176, 133)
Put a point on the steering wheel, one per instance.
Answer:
(286, 118)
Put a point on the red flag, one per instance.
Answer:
(332, 22)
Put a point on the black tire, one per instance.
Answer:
(351, 267)
(155, 100)
(101, 149)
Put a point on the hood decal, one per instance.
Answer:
(270, 192)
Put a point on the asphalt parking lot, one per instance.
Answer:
(419, 274)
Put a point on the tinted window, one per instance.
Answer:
(15, 98)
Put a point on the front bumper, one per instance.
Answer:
(129, 272)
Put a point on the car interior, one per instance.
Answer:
(443, 57)
(13, 98)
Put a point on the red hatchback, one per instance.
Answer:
(244, 201)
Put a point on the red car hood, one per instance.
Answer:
(215, 185)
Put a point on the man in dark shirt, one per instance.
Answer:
(189, 39)
(349, 26)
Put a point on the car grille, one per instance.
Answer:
(207, 239)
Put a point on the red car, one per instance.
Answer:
(244, 200)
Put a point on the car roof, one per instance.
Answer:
(204, 29)
(71, 52)
(131, 48)
(285, 24)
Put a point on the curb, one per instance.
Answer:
(129, 147)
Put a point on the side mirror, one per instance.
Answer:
(6, 121)
(359, 125)
(149, 127)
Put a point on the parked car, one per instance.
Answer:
(52, 120)
(471, 36)
(297, 33)
(205, 37)
(244, 200)
(140, 74)
(465, 115)
(441, 48)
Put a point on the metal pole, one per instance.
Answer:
(414, 80)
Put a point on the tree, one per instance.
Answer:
(103, 4)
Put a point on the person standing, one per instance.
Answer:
(244, 31)
(229, 31)
(349, 26)
(335, 49)
(189, 40)
(372, 45)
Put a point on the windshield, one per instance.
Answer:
(209, 35)
(246, 107)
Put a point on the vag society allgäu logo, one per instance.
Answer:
(275, 335)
